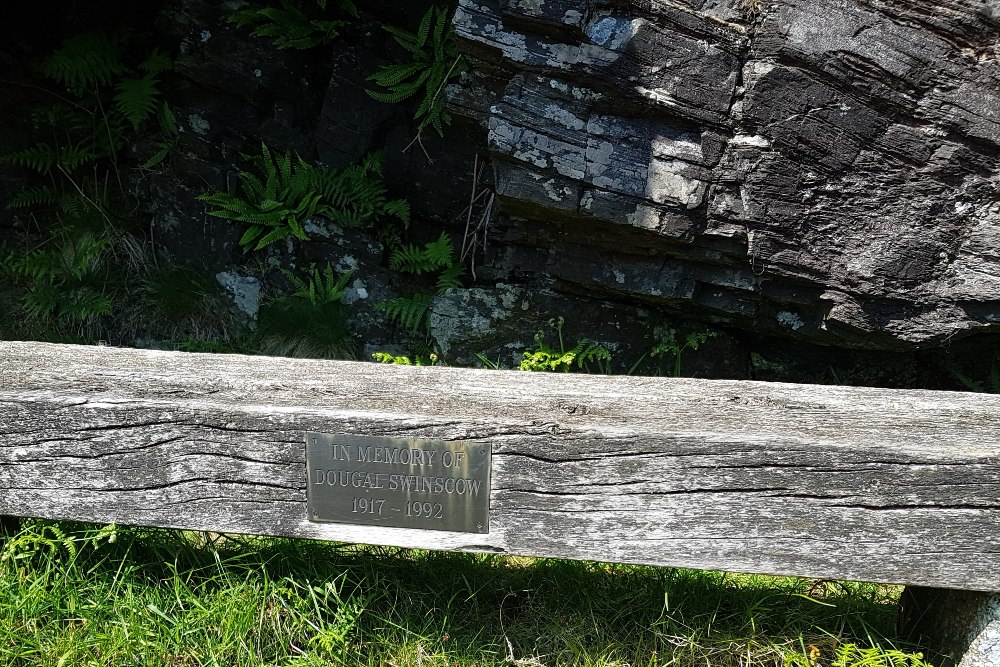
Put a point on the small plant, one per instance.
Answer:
(34, 537)
(169, 133)
(311, 322)
(289, 26)
(73, 256)
(668, 344)
(64, 285)
(177, 303)
(108, 103)
(403, 360)
(547, 358)
(434, 60)
(410, 312)
(989, 385)
(489, 363)
(847, 654)
(286, 192)
(320, 287)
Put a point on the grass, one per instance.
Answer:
(85, 595)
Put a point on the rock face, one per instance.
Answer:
(963, 625)
(825, 169)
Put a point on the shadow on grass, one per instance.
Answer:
(336, 604)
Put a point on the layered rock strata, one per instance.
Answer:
(819, 168)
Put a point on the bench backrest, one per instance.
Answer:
(818, 481)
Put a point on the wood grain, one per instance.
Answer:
(817, 481)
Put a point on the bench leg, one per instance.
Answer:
(962, 624)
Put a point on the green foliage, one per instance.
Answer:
(989, 385)
(410, 312)
(311, 321)
(434, 60)
(848, 654)
(356, 195)
(63, 285)
(169, 133)
(285, 192)
(549, 359)
(151, 597)
(171, 302)
(276, 206)
(668, 344)
(320, 286)
(290, 26)
(432, 257)
(403, 360)
(85, 62)
(42, 540)
(72, 256)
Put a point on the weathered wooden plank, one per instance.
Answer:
(818, 481)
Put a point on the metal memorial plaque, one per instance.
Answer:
(401, 482)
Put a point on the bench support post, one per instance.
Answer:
(962, 624)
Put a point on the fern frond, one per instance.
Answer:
(83, 303)
(85, 62)
(72, 157)
(435, 60)
(35, 195)
(449, 278)
(347, 5)
(395, 74)
(407, 312)
(168, 121)
(40, 301)
(433, 256)
(41, 158)
(587, 352)
(156, 62)
(136, 99)
(397, 208)
(288, 26)
(274, 235)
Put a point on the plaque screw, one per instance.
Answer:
(479, 526)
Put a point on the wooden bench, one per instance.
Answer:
(826, 482)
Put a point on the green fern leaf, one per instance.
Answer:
(407, 312)
(392, 76)
(249, 236)
(348, 6)
(272, 236)
(397, 208)
(85, 62)
(449, 278)
(157, 157)
(136, 99)
(440, 32)
(434, 255)
(168, 122)
(72, 157)
(35, 195)
(41, 158)
(156, 62)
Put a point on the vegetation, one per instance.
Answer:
(309, 322)
(667, 344)
(585, 354)
(437, 260)
(290, 25)
(434, 60)
(72, 255)
(75, 595)
(283, 193)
